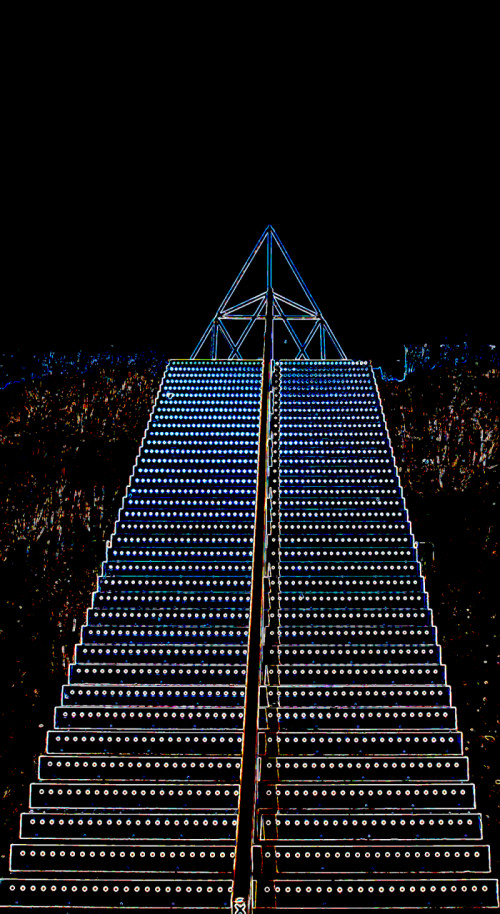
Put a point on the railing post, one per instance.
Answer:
(242, 882)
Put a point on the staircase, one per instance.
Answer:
(137, 798)
(359, 793)
(364, 798)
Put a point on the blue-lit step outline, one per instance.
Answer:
(139, 768)
(344, 717)
(127, 893)
(298, 610)
(121, 857)
(302, 673)
(338, 859)
(438, 892)
(359, 634)
(352, 655)
(191, 575)
(359, 742)
(146, 741)
(160, 654)
(168, 694)
(219, 608)
(365, 696)
(156, 673)
(143, 796)
(184, 537)
(172, 634)
(344, 769)
(351, 796)
(145, 717)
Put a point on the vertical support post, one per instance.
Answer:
(242, 879)
(268, 333)
(322, 341)
(270, 302)
(213, 340)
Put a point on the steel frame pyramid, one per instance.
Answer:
(232, 314)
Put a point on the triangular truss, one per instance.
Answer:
(235, 322)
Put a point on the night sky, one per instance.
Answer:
(134, 284)
(134, 204)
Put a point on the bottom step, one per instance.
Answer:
(305, 894)
(102, 894)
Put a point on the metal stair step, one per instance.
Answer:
(434, 892)
(220, 674)
(301, 673)
(174, 826)
(175, 598)
(331, 697)
(89, 718)
(170, 653)
(127, 589)
(373, 634)
(162, 795)
(152, 634)
(370, 716)
(139, 768)
(294, 857)
(167, 694)
(197, 616)
(350, 796)
(371, 826)
(381, 768)
(164, 857)
(125, 893)
(149, 741)
(364, 742)
(296, 609)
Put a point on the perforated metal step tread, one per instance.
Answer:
(88, 718)
(135, 674)
(328, 696)
(179, 825)
(366, 742)
(150, 741)
(165, 857)
(381, 768)
(167, 694)
(340, 674)
(295, 857)
(104, 894)
(363, 716)
(152, 634)
(163, 795)
(139, 768)
(438, 892)
(159, 654)
(352, 796)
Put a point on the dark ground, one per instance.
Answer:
(445, 434)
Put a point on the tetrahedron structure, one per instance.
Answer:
(257, 717)
(236, 330)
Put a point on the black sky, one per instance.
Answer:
(133, 212)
